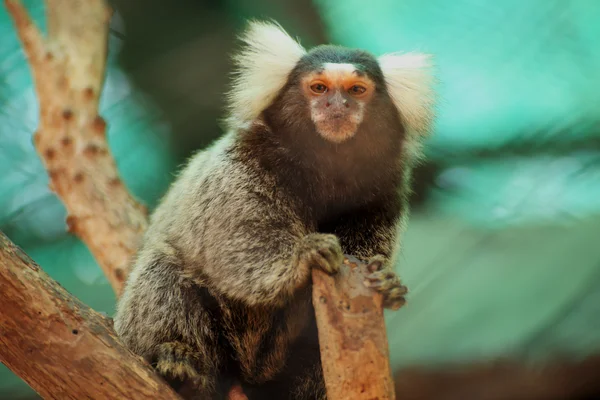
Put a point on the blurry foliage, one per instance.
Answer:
(500, 257)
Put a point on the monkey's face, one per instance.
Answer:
(337, 95)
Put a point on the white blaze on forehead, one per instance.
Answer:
(336, 73)
(339, 67)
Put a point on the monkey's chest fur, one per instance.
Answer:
(329, 181)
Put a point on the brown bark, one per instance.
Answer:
(68, 69)
(58, 345)
(352, 335)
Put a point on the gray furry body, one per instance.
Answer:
(220, 290)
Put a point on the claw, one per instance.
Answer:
(394, 303)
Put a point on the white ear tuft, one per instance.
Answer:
(410, 83)
(262, 68)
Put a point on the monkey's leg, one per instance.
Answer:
(164, 318)
(178, 360)
(185, 368)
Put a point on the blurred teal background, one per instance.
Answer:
(501, 255)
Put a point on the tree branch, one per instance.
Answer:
(58, 345)
(68, 69)
(352, 335)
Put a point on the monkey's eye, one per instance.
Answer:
(318, 88)
(357, 89)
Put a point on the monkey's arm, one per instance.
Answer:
(258, 251)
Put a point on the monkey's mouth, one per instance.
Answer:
(337, 128)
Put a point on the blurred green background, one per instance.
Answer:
(501, 254)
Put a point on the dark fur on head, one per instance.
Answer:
(330, 178)
(364, 61)
(220, 290)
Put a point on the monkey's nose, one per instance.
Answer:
(338, 101)
(343, 103)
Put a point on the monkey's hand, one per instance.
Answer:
(385, 281)
(177, 361)
(321, 250)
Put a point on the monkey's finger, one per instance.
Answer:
(332, 244)
(398, 289)
(394, 297)
(329, 258)
(376, 263)
(380, 286)
(317, 260)
(321, 240)
(394, 303)
(388, 286)
(333, 257)
(380, 277)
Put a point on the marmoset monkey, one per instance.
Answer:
(316, 163)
